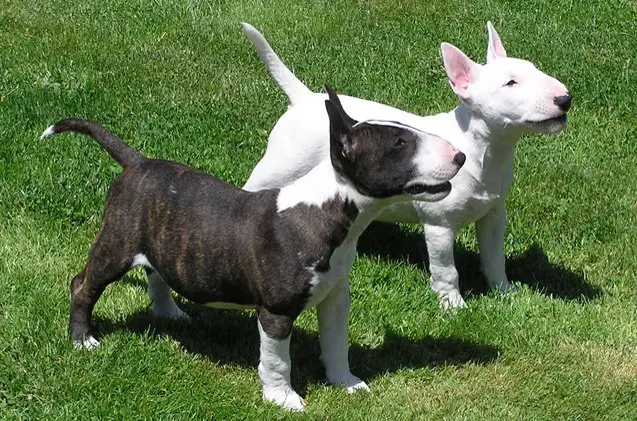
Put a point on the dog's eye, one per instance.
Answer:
(400, 142)
(511, 83)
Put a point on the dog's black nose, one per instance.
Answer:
(563, 101)
(459, 159)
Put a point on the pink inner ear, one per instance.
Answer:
(496, 49)
(460, 78)
(499, 48)
(458, 66)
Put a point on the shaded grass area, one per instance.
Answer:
(178, 80)
(380, 240)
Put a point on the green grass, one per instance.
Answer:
(178, 80)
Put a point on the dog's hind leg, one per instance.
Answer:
(108, 261)
(333, 319)
(490, 230)
(80, 318)
(162, 301)
(86, 289)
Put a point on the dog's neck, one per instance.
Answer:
(323, 184)
(489, 147)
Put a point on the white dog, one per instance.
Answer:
(499, 102)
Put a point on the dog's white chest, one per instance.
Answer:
(323, 282)
(468, 202)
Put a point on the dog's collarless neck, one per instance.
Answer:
(322, 186)
(490, 149)
(317, 187)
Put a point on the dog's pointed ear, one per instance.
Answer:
(341, 125)
(495, 49)
(337, 103)
(461, 70)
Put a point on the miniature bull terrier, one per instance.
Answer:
(499, 102)
(279, 251)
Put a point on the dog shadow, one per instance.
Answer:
(231, 337)
(533, 268)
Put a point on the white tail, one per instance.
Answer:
(290, 84)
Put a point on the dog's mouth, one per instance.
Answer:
(561, 119)
(417, 189)
(550, 125)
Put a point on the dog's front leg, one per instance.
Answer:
(444, 275)
(162, 301)
(274, 360)
(333, 319)
(490, 230)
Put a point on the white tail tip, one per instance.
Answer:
(247, 27)
(48, 132)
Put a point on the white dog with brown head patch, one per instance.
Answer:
(499, 102)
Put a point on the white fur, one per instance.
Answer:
(162, 301)
(485, 126)
(141, 260)
(274, 372)
(317, 187)
(292, 87)
(432, 160)
(89, 343)
(48, 132)
(332, 315)
(389, 123)
(323, 283)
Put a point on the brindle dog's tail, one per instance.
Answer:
(116, 148)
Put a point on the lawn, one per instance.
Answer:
(178, 80)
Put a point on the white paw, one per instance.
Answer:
(285, 397)
(451, 300)
(359, 386)
(87, 343)
(350, 382)
(171, 312)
